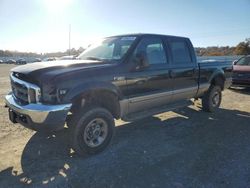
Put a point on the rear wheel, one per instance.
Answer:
(91, 130)
(212, 99)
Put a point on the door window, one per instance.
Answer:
(153, 50)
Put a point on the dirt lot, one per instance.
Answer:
(183, 148)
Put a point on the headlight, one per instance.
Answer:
(34, 95)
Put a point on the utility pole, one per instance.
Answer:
(69, 37)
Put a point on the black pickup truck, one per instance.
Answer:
(126, 76)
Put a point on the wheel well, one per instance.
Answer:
(102, 98)
(218, 80)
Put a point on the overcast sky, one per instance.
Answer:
(43, 25)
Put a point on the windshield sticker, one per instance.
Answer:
(128, 38)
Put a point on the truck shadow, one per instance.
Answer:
(191, 149)
(242, 90)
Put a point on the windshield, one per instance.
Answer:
(112, 48)
(244, 61)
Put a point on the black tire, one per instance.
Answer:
(81, 129)
(212, 99)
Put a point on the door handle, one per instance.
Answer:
(170, 72)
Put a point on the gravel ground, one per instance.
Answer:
(182, 148)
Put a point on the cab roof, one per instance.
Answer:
(148, 34)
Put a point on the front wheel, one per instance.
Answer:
(91, 130)
(212, 99)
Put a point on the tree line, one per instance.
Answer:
(243, 48)
(8, 53)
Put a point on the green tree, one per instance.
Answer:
(243, 48)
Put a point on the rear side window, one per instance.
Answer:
(180, 52)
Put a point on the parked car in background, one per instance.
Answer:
(68, 57)
(50, 59)
(1, 61)
(241, 72)
(38, 60)
(21, 61)
(35, 60)
(11, 61)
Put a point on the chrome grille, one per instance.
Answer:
(20, 91)
(24, 92)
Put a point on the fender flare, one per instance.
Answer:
(218, 72)
(91, 86)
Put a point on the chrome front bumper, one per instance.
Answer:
(38, 116)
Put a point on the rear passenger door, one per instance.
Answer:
(183, 69)
(150, 87)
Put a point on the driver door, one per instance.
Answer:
(151, 86)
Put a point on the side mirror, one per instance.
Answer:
(141, 60)
(235, 62)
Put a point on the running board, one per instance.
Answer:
(169, 107)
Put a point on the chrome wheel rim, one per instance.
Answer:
(216, 99)
(95, 132)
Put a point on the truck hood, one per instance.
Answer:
(62, 65)
(34, 71)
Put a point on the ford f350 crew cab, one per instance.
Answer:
(126, 76)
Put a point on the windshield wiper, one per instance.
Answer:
(94, 58)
